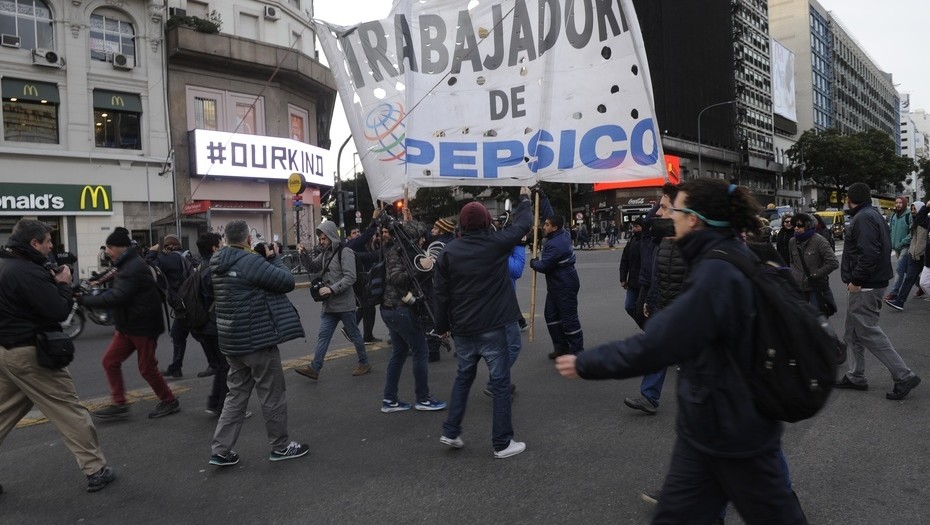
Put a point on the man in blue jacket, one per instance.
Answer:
(557, 262)
(253, 316)
(866, 270)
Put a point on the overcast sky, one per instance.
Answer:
(894, 34)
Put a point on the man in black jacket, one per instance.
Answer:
(866, 270)
(136, 305)
(476, 301)
(34, 298)
(630, 260)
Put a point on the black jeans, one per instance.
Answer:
(366, 316)
(698, 485)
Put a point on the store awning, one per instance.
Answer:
(117, 101)
(30, 90)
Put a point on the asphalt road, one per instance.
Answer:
(863, 460)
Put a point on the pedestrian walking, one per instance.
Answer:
(34, 298)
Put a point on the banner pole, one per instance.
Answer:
(535, 274)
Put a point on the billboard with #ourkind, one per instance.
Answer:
(502, 93)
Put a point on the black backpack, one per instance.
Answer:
(369, 285)
(193, 308)
(796, 352)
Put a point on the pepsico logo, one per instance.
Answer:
(384, 126)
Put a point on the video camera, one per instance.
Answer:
(263, 248)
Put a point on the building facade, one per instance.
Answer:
(85, 139)
(249, 104)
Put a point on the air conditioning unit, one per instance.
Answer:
(176, 11)
(47, 58)
(9, 40)
(121, 61)
(271, 12)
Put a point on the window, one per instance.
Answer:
(248, 26)
(225, 111)
(31, 20)
(198, 9)
(299, 122)
(117, 120)
(30, 111)
(110, 34)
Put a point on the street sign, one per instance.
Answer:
(579, 216)
(358, 220)
(358, 215)
(296, 183)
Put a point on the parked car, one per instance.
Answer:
(835, 220)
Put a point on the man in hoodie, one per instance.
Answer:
(337, 264)
(914, 257)
(253, 316)
(557, 262)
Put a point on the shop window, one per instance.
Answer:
(30, 111)
(117, 120)
(30, 20)
(110, 34)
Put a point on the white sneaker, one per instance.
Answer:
(513, 449)
(452, 442)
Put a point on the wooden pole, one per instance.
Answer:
(535, 255)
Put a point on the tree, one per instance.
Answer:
(923, 175)
(834, 161)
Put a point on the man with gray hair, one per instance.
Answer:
(866, 270)
(253, 315)
(35, 297)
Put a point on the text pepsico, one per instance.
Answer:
(567, 151)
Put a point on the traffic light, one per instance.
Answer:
(399, 205)
(348, 200)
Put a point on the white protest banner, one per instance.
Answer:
(497, 93)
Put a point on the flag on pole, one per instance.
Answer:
(497, 93)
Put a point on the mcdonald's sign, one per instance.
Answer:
(30, 90)
(117, 101)
(93, 192)
(55, 199)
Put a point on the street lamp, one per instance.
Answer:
(701, 113)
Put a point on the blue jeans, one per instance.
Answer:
(911, 276)
(328, 322)
(514, 344)
(406, 336)
(629, 304)
(900, 270)
(492, 347)
(651, 386)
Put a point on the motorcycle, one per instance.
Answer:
(74, 324)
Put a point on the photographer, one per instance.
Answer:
(399, 313)
(35, 297)
(337, 266)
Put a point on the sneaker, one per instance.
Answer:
(455, 442)
(100, 479)
(641, 404)
(346, 335)
(373, 341)
(388, 406)
(207, 373)
(294, 450)
(650, 497)
(430, 404)
(487, 390)
(902, 388)
(890, 297)
(308, 371)
(112, 412)
(225, 460)
(361, 369)
(514, 448)
(172, 374)
(895, 304)
(163, 409)
(846, 384)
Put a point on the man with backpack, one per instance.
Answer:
(176, 265)
(136, 306)
(726, 448)
(866, 270)
(899, 227)
(336, 265)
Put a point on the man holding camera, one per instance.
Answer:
(336, 265)
(34, 298)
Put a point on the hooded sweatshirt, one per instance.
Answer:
(339, 275)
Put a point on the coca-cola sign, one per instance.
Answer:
(639, 201)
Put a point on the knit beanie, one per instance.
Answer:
(474, 216)
(119, 237)
(444, 226)
(859, 193)
(171, 243)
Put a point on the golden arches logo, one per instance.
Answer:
(30, 90)
(94, 192)
(117, 100)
